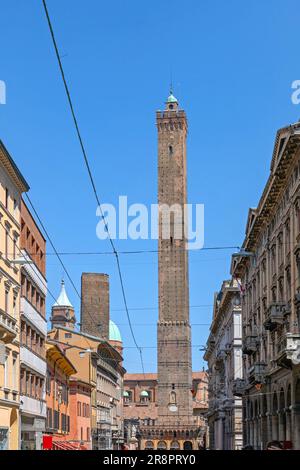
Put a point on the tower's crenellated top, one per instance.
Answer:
(171, 118)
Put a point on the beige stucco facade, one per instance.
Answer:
(99, 364)
(12, 185)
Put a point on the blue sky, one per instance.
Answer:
(232, 64)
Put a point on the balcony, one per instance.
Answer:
(33, 406)
(31, 360)
(239, 387)
(250, 344)
(29, 312)
(288, 350)
(221, 355)
(275, 315)
(8, 327)
(257, 373)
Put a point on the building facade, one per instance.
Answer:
(225, 367)
(268, 269)
(141, 412)
(80, 413)
(59, 371)
(12, 185)
(33, 333)
(98, 363)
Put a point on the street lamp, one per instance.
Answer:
(82, 353)
(243, 254)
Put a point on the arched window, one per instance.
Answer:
(174, 445)
(144, 396)
(172, 398)
(187, 445)
(127, 395)
(170, 150)
(149, 445)
(161, 445)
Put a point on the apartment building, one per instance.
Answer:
(12, 185)
(59, 371)
(33, 333)
(268, 269)
(225, 369)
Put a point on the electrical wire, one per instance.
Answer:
(20, 253)
(51, 243)
(86, 161)
(130, 252)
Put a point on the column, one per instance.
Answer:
(255, 433)
(288, 432)
(269, 426)
(246, 434)
(251, 441)
(275, 426)
(281, 425)
(264, 432)
(258, 440)
(296, 426)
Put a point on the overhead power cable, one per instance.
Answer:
(132, 252)
(43, 282)
(53, 247)
(86, 161)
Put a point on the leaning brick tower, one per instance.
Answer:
(173, 330)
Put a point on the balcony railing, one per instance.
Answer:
(8, 327)
(250, 344)
(221, 355)
(288, 350)
(275, 315)
(257, 373)
(239, 386)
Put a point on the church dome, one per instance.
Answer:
(114, 332)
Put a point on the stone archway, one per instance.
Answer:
(149, 445)
(187, 445)
(175, 445)
(161, 445)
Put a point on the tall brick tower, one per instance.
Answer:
(173, 331)
(94, 317)
(175, 427)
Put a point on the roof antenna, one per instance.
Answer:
(171, 81)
